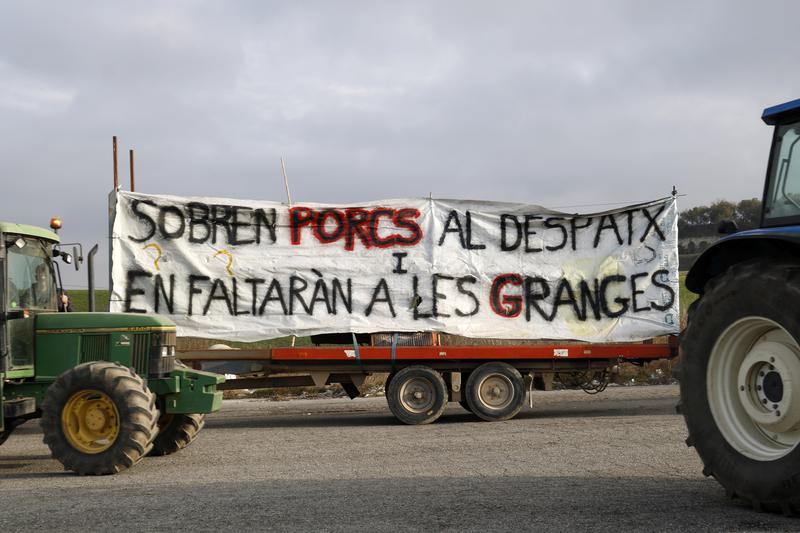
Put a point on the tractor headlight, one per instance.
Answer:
(167, 351)
(162, 352)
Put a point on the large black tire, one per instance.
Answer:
(134, 414)
(176, 432)
(417, 395)
(739, 356)
(495, 391)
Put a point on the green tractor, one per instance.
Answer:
(106, 386)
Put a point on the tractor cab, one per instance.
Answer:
(779, 234)
(782, 187)
(29, 288)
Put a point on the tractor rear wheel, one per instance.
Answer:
(740, 383)
(99, 418)
(176, 432)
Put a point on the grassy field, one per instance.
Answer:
(80, 300)
(686, 297)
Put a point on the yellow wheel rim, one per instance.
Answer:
(90, 421)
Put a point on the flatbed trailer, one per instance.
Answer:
(491, 381)
(170, 253)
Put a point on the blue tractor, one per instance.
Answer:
(740, 370)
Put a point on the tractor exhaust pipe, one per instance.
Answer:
(90, 269)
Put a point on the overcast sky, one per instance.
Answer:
(552, 103)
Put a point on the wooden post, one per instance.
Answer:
(116, 175)
(133, 181)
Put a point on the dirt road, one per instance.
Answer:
(607, 462)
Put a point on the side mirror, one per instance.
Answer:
(70, 258)
(727, 227)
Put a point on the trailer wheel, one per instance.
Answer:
(176, 432)
(495, 391)
(99, 418)
(417, 395)
(740, 383)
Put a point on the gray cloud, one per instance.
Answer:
(555, 103)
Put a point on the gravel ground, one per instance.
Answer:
(615, 461)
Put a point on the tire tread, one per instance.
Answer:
(763, 495)
(179, 433)
(136, 406)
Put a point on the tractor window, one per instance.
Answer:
(783, 195)
(30, 276)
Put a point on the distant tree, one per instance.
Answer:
(722, 210)
(746, 214)
(694, 216)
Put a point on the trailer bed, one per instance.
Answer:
(348, 365)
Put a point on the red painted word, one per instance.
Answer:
(356, 223)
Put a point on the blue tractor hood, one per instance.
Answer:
(741, 246)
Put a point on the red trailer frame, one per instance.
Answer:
(631, 351)
(435, 372)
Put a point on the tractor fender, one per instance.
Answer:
(740, 247)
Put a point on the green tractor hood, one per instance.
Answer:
(76, 322)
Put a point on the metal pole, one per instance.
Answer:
(289, 198)
(110, 229)
(116, 175)
(90, 269)
(133, 181)
(286, 182)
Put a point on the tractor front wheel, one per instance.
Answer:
(176, 432)
(740, 383)
(99, 418)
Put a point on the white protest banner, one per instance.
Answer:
(250, 270)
